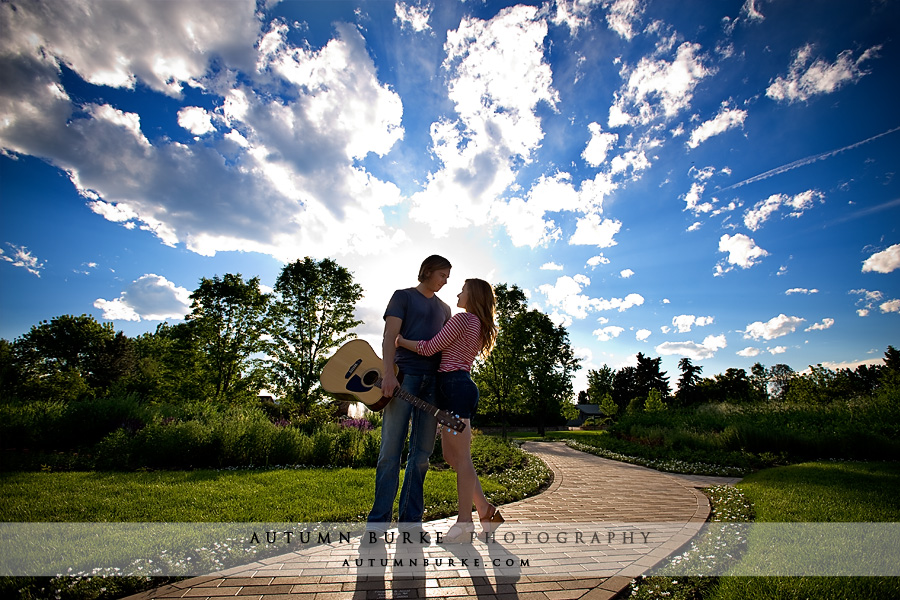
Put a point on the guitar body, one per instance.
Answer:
(355, 373)
(352, 373)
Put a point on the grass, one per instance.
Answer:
(848, 492)
(276, 495)
(818, 492)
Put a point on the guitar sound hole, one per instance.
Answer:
(370, 378)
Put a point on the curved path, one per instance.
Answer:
(598, 525)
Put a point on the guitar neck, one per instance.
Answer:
(443, 417)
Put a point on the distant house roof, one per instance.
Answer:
(589, 409)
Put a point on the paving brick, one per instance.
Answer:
(585, 489)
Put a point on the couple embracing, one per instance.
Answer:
(434, 352)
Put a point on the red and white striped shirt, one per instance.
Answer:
(458, 341)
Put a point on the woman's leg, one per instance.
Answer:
(468, 487)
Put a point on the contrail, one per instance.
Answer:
(806, 161)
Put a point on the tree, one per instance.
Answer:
(600, 384)
(63, 358)
(759, 378)
(780, 378)
(648, 376)
(498, 375)
(228, 316)
(608, 407)
(688, 394)
(170, 365)
(312, 315)
(654, 402)
(625, 387)
(548, 363)
(733, 386)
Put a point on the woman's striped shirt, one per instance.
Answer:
(458, 343)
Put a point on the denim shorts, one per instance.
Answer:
(457, 394)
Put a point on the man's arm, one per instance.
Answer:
(389, 380)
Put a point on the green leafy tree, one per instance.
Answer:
(625, 387)
(170, 366)
(600, 384)
(759, 378)
(608, 407)
(548, 363)
(228, 317)
(781, 377)
(312, 315)
(498, 376)
(65, 358)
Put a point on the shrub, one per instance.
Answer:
(492, 455)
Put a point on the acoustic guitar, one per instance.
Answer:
(355, 373)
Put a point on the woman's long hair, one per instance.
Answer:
(483, 304)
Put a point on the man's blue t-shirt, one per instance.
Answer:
(422, 320)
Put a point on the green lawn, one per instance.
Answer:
(817, 492)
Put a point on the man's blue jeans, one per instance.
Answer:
(395, 424)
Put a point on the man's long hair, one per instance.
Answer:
(431, 264)
(483, 304)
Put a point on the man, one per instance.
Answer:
(416, 313)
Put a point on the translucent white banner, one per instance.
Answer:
(559, 550)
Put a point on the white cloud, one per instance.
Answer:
(575, 14)
(623, 15)
(634, 160)
(684, 323)
(884, 261)
(775, 327)
(497, 78)
(750, 11)
(414, 17)
(279, 192)
(798, 204)
(599, 145)
(890, 306)
(697, 351)
(597, 260)
(657, 89)
(551, 266)
(22, 257)
(107, 43)
(749, 352)
(567, 296)
(196, 120)
(728, 118)
(525, 219)
(742, 251)
(825, 324)
(801, 291)
(641, 335)
(592, 230)
(607, 333)
(777, 350)
(806, 80)
(626, 273)
(148, 298)
(692, 199)
(867, 300)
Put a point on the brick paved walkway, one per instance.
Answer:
(598, 525)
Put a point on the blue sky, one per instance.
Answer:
(716, 180)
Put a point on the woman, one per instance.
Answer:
(463, 337)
